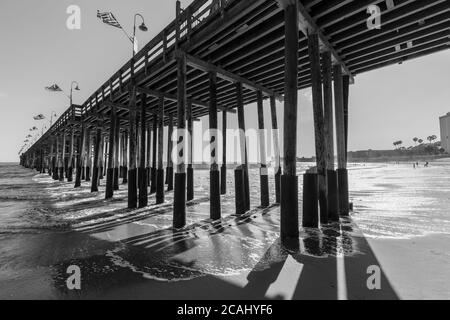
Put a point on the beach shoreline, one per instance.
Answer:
(127, 254)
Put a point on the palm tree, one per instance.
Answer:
(415, 140)
(433, 138)
(420, 141)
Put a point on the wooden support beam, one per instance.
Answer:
(245, 197)
(289, 180)
(117, 154)
(125, 157)
(97, 156)
(190, 169)
(132, 171)
(154, 154)
(214, 181)
(142, 171)
(319, 129)
(340, 138)
(223, 172)
(88, 163)
(71, 153)
(207, 67)
(110, 171)
(276, 146)
(160, 170)
(173, 98)
(333, 204)
(62, 166)
(179, 206)
(264, 178)
(309, 26)
(169, 173)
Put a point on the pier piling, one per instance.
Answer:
(289, 181)
(319, 129)
(179, 205)
(264, 177)
(215, 209)
(160, 170)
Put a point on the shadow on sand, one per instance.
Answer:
(174, 264)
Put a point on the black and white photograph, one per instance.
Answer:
(225, 155)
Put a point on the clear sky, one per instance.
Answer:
(37, 49)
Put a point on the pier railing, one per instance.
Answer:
(187, 21)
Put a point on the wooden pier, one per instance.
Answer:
(219, 56)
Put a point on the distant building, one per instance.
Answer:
(445, 132)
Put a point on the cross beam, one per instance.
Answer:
(174, 98)
(309, 26)
(197, 63)
(121, 106)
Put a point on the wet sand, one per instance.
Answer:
(47, 226)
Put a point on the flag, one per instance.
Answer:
(108, 18)
(39, 117)
(53, 88)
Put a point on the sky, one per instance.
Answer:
(37, 49)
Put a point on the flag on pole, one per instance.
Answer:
(109, 19)
(39, 117)
(53, 88)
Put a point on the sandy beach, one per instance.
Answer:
(400, 223)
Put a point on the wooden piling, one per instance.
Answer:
(142, 172)
(223, 170)
(154, 154)
(56, 159)
(88, 155)
(214, 182)
(71, 153)
(63, 157)
(190, 169)
(97, 156)
(117, 154)
(125, 157)
(319, 129)
(289, 180)
(149, 156)
(263, 174)
(179, 205)
(169, 174)
(132, 173)
(160, 170)
(80, 155)
(110, 171)
(276, 147)
(243, 146)
(333, 201)
(340, 138)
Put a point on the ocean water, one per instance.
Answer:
(46, 226)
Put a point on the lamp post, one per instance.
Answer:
(56, 88)
(77, 88)
(142, 27)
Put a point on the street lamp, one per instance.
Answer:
(142, 27)
(77, 88)
(56, 88)
(109, 19)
